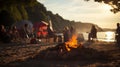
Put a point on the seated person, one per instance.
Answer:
(4, 36)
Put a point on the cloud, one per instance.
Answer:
(71, 6)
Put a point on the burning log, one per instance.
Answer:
(72, 43)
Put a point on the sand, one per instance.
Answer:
(98, 54)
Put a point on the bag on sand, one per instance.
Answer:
(33, 41)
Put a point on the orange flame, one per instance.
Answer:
(72, 43)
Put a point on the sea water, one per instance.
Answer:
(108, 36)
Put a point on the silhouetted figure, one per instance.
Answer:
(2, 32)
(66, 34)
(50, 32)
(33, 33)
(33, 36)
(25, 31)
(89, 37)
(117, 37)
(93, 34)
(4, 36)
(15, 33)
(72, 31)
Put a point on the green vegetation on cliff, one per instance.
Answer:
(17, 10)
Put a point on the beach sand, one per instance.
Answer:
(98, 54)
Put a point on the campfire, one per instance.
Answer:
(71, 49)
(72, 43)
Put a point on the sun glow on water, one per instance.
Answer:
(109, 36)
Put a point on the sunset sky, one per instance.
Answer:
(79, 10)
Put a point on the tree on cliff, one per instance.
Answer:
(115, 4)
